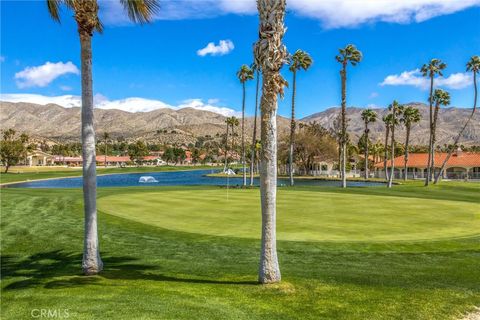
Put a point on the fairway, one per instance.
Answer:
(303, 214)
(190, 253)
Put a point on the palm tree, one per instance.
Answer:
(473, 65)
(270, 55)
(244, 74)
(256, 69)
(395, 109)
(375, 150)
(106, 136)
(233, 123)
(228, 121)
(440, 97)
(379, 150)
(348, 54)
(388, 119)
(411, 115)
(88, 22)
(299, 60)
(434, 67)
(368, 116)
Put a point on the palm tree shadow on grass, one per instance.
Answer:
(60, 269)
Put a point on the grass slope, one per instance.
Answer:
(156, 273)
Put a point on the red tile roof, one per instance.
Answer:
(102, 159)
(123, 158)
(150, 158)
(113, 159)
(419, 160)
(67, 159)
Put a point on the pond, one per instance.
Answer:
(172, 178)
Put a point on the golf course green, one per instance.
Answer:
(192, 253)
(303, 214)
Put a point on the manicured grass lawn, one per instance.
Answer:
(188, 253)
(16, 174)
(303, 214)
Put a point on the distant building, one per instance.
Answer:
(112, 161)
(69, 161)
(319, 167)
(461, 165)
(39, 158)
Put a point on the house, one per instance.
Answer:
(319, 167)
(69, 161)
(39, 158)
(461, 165)
(111, 161)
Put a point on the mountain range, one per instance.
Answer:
(165, 125)
(450, 120)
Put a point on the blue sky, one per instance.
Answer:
(159, 64)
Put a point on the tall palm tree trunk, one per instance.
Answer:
(254, 139)
(343, 75)
(385, 158)
(405, 160)
(91, 263)
(392, 168)
(226, 150)
(340, 158)
(233, 138)
(270, 54)
(428, 177)
(457, 139)
(106, 150)
(269, 268)
(366, 150)
(434, 140)
(244, 173)
(292, 132)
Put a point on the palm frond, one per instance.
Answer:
(300, 60)
(245, 73)
(473, 64)
(54, 9)
(411, 115)
(141, 11)
(441, 97)
(368, 116)
(350, 54)
(435, 66)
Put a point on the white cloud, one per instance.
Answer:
(456, 81)
(213, 101)
(415, 78)
(350, 13)
(41, 76)
(67, 101)
(223, 47)
(132, 104)
(373, 95)
(331, 13)
(406, 78)
(65, 88)
(2, 59)
(200, 105)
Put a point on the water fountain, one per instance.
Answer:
(147, 179)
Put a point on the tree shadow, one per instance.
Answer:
(44, 269)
